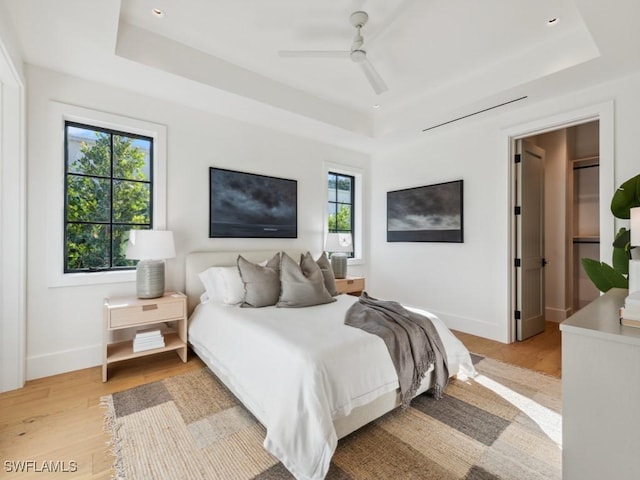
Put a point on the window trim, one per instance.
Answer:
(359, 255)
(61, 113)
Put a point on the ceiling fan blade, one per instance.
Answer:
(376, 81)
(314, 53)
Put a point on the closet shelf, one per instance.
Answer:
(587, 158)
(586, 239)
(586, 162)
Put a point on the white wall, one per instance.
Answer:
(65, 323)
(463, 282)
(468, 284)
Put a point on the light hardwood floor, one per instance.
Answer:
(59, 418)
(541, 352)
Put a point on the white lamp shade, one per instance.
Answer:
(339, 242)
(150, 245)
(635, 227)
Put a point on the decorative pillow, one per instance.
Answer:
(261, 283)
(302, 285)
(222, 284)
(327, 272)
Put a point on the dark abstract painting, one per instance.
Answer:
(432, 213)
(247, 205)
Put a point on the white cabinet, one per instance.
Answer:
(600, 393)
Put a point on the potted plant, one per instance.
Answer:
(605, 276)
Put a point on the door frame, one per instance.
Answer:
(13, 231)
(604, 112)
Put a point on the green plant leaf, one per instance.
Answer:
(626, 197)
(603, 276)
(620, 260)
(623, 238)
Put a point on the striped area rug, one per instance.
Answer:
(504, 424)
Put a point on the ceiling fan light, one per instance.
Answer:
(358, 56)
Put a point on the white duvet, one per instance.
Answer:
(298, 369)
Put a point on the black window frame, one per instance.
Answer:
(351, 203)
(112, 179)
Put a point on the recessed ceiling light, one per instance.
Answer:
(553, 21)
(157, 12)
(376, 106)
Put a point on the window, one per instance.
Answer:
(108, 191)
(341, 199)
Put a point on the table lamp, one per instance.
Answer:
(339, 244)
(151, 248)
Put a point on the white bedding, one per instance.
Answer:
(299, 369)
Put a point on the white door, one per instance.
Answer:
(529, 262)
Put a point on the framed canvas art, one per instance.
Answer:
(432, 213)
(248, 205)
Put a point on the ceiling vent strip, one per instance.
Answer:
(475, 113)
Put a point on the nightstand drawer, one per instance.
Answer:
(148, 312)
(349, 285)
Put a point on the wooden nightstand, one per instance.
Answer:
(131, 312)
(350, 285)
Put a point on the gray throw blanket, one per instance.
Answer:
(412, 341)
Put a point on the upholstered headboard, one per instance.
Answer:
(197, 262)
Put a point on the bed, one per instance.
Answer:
(307, 377)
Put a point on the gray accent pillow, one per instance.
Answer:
(302, 285)
(327, 272)
(261, 284)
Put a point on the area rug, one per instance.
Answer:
(503, 424)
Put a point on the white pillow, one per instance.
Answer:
(223, 285)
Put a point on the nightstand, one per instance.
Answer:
(133, 312)
(350, 285)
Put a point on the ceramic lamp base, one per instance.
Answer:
(150, 278)
(339, 265)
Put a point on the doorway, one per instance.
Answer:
(556, 185)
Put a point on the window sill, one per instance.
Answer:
(94, 278)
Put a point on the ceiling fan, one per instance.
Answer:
(357, 53)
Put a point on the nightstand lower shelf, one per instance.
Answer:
(117, 352)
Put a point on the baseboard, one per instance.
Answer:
(39, 366)
(476, 327)
(556, 314)
(473, 326)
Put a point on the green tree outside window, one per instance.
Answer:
(341, 196)
(108, 191)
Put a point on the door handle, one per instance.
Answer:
(544, 262)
